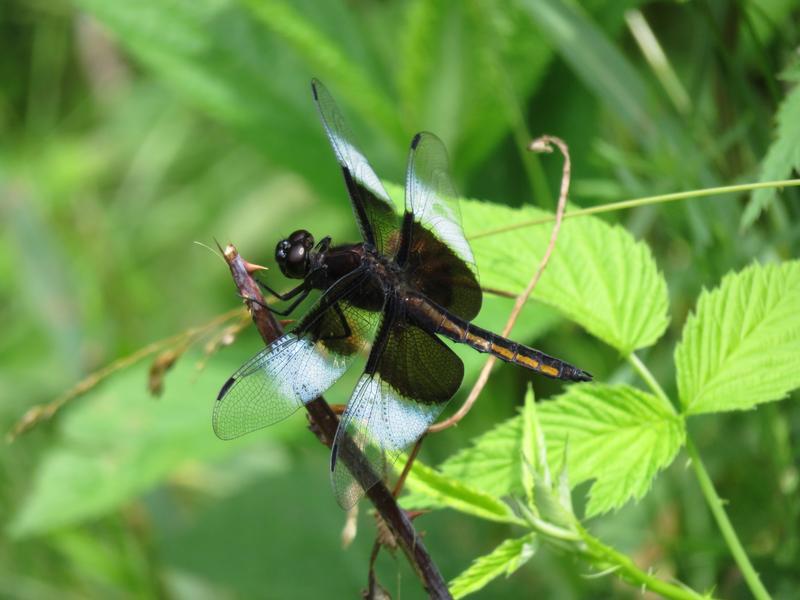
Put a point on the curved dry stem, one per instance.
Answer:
(541, 144)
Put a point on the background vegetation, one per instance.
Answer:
(131, 130)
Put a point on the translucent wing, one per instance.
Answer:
(439, 258)
(373, 208)
(297, 367)
(410, 377)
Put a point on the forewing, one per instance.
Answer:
(439, 257)
(296, 368)
(373, 208)
(403, 391)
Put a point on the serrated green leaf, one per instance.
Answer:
(443, 491)
(741, 345)
(617, 435)
(599, 275)
(503, 560)
(119, 441)
(493, 463)
(783, 155)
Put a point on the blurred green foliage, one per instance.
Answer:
(131, 130)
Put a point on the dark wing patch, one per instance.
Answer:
(436, 271)
(373, 208)
(419, 366)
(410, 376)
(297, 367)
(439, 259)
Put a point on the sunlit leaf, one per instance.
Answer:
(741, 345)
(598, 276)
(493, 462)
(503, 560)
(783, 156)
(444, 491)
(617, 435)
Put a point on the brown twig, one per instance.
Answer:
(541, 144)
(398, 487)
(374, 589)
(325, 420)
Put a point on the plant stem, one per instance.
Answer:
(728, 532)
(712, 498)
(626, 569)
(645, 201)
(647, 377)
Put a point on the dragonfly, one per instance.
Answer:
(410, 281)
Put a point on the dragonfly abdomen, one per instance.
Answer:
(482, 340)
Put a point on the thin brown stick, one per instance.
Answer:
(326, 421)
(398, 487)
(541, 144)
(372, 580)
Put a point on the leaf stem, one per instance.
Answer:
(626, 569)
(644, 201)
(728, 532)
(647, 377)
(710, 493)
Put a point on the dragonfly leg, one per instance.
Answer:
(288, 295)
(291, 307)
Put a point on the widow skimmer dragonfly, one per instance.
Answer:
(411, 279)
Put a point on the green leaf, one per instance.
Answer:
(547, 499)
(617, 435)
(444, 491)
(783, 156)
(741, 346)
(493, 463)
(118, 442)
(599, 275)
(503, 560)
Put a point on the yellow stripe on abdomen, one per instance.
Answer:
(529, 362)
(502, 352)
(478, 342)
(532, 363)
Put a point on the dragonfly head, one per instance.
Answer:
(294, 253)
